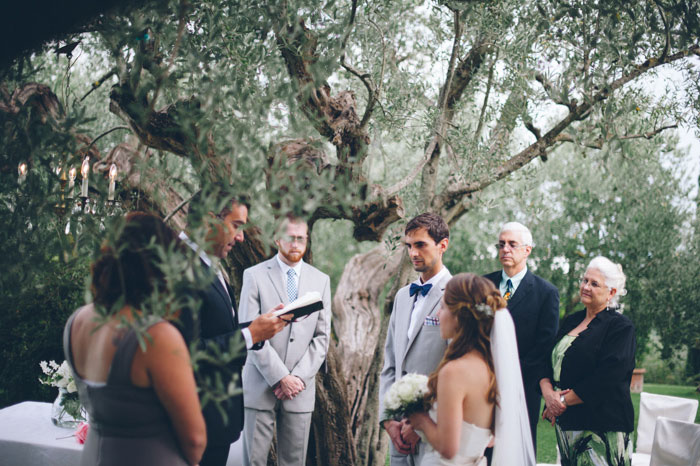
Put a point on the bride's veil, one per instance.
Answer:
(513, 441)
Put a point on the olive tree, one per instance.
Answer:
(367, 112)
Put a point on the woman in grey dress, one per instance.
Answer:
(142, 404)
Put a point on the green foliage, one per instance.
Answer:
(621, 203)
(31, 328)
(667, 370)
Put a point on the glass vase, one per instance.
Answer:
(67, 411)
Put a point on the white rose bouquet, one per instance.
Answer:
(406, 396)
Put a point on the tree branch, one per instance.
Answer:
(667, 31)
(466, 72)
(106, 133)
(648, 134)
(458, 78)
(394, 189)
(442, 101)
(374, 97)
(531, 127)
(348, 27)
(600, 142)
(549, 90)
(99, 82)
(456, 191)
(489, 84)
(333, 117)
(161, 77)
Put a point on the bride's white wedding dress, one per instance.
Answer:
(472, 443)
(513, 443)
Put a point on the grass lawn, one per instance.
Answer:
(546, 441)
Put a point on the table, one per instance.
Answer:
(28, 437)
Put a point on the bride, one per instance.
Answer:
(476, 391)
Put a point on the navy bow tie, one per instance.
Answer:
(423, 289)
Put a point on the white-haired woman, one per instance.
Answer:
(587, 392)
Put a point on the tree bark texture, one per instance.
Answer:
(346, 422)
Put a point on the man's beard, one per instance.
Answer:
(293, 256)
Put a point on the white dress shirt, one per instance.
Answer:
(285, 268)
(220, 274)
(420, 299)
(515, 280)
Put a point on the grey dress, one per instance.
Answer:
(128, 424)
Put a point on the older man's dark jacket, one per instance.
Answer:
(535, 310)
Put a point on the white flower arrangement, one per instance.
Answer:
(67, 411)
(406, 396)
(58, 376)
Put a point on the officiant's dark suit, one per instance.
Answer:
(534, 306)
(215, 321)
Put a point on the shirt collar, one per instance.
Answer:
(515, 279)
(285, 267)
(435, 278)
(195, 247)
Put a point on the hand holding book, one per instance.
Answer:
(301, 308)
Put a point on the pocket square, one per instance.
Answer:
(431, 321)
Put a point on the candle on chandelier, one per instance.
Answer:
(85, 170)
(22, 172)
(112, 182)
(71, 182)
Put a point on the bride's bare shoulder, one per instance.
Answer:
(465, 366)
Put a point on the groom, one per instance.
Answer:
(534, 305)
(413, 342)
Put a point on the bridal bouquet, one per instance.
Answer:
(406, 396)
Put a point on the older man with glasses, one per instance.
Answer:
(279, 379)
(534, 304)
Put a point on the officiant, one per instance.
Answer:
(217, 322)
(279, 388)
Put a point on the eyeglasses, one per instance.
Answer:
(294, 239)
(592, 283)
(512, 244)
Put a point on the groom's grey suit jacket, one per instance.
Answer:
(420, 352)
(299, 349)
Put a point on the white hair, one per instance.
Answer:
(614, 277)
(517, 227)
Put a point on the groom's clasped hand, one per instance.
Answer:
(401, 434)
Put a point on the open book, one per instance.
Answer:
(302, 306)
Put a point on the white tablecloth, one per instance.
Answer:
(28, 438)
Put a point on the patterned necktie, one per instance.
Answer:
(292, 290)
(509, 290)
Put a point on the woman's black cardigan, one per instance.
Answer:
(598, 368)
